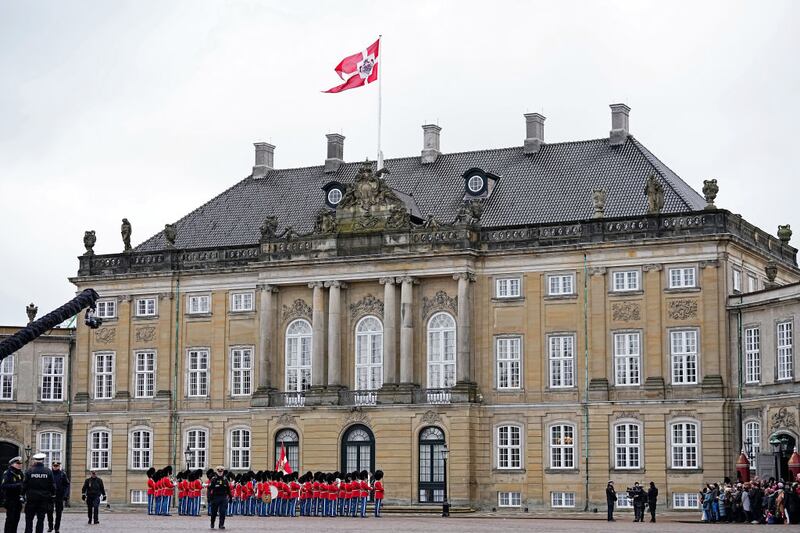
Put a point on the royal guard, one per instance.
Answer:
(158, 477)
(169, 490)
(247, 494)
(355, 500)
(315, 501)
(234, 494)
(196, 488)
(294, 494)
(340, 496)
(181, 483)
(259, 488)
(151, 491)
(364, 485)
(378, 489)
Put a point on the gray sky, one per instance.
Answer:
(147, 109)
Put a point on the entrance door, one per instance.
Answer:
(7, 452)
(358, 450)
(431, 465)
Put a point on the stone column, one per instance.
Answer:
(389, 330)
(266, 333)
(463, 373)
(406, 329)
(318, 332)
(334, 332)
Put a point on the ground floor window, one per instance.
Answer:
(508, 499)
(431, 465)
(562, 499)
(358, 449)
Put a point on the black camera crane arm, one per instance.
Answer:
(85, 300)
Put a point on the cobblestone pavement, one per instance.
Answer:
(119, 522)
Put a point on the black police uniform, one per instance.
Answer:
(39, 491)
(12, 493)
(219, 491)
(62, 493)
(93, 489)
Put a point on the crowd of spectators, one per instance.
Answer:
(757, 502)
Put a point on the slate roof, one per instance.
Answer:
(553, 185)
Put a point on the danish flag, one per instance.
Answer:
(358, 69)
(283, 463)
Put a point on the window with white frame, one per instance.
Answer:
(752, 435)
(509, 447)
(242, 301)
(51, 443)
(240, 449)
(198, 304)
(141, 446)
(683, 350)
(508, 288)
(7, 378)
(146, 307)
(625, 280)
(106, 309)
(562, 361)
(99, 449)
(785, 351)
(509, 357)
(138, 497)
(685, 500)
(752, 283)
(623, 501)
(197, 367)
(241, 370)
(103, 375)
(560, 284)
(509, 499)
(752, 355)
(196, 443)
(369, 354)
(682, 278)
(627, 446)
(627, 357)
(562, 446)
(441, 351)
(562, 499)
(684, 445)
(737, 280)
(298, 356)
(52, 378)
(144, 374)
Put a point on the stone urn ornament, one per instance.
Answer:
(170, 234)
(89, 239)
(785, 233)
(31, 311)
(599, 199)
(710, 190)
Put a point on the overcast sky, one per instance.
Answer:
(147, 109)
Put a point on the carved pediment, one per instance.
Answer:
(298, 309)
(370, 204)
(439, 302)
(782, 418)
(368, 305)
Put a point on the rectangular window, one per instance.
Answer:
(198, 305)
(509, 447)
(145, 374)
(138, 497)
(785, 351)
(196, 444)
(52, 378)
(241, 371)
(562, 446)
(560, 284)
(50, 444)
(752, 355)
(752, 283)
(7, 378)
(562, 499)
(508, 499)
(737, 280)
(627, 444)
(241, 301)
(198, 373)
(627, 358)
(623, 502)
(562, 361)
(684, 445)
(508, 288)
(683, 346)
(99, 450)
(752, 436)
(508, 362)
(626, 281)
(146, 307)
(682, 278)
(685, 500)
(140, 449)
(240, 449)
(106, 309)
(103, 376)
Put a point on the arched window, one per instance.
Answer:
(441, 351)
(627, 446)
(240, 449)
(684, 444)
(141, 441)
(509, 447)
(752, 436)
(99, 449)
(298, 356)
(431, 465)
(562, 446)
(51, 443)
(197, 444)
(369, 354)
(358, 449)
(7, 378)
(291, 443)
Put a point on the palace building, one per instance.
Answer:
(554, 314)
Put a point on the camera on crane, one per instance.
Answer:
(91, 320)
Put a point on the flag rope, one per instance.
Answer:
(380, 83)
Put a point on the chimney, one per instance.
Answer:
(265, 155)
(335, 152)
(534, 132)
(430, 143)
(619, 124)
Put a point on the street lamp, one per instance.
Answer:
(778, 448)
(187, 454)
(445, 503)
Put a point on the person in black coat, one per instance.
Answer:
(12, 493)
(639, 498)
(652, 500)
(91, 493)
(39, 490)
(219, 492)
(611, 500)
(62, 494)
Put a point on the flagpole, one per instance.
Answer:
(380, 81)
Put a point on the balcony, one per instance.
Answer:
(434, 396)
(358, 398)
(287, 399)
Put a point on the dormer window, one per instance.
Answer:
(334, 192)
(478, 183)
(475, 183)
(334, 196)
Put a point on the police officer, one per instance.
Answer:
(219, 492)
(62, 493)
(91, 493)
(39, 490)
(639, 498)
(12, 492)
